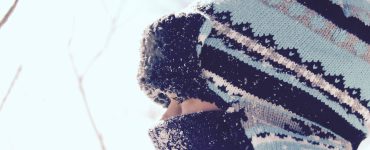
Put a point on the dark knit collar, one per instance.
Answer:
(203, 130)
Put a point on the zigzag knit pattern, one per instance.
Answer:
(298, 69)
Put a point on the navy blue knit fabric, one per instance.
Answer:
(212, 130)
(171, 62)
(298, 70)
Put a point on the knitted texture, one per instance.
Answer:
(298, 69)
(201, 131)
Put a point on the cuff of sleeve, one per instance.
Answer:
(202, 130)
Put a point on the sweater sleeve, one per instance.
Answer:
(169, 61)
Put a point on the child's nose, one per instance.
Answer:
(174, 109)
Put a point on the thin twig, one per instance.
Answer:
(98, 55)
(91, 118)
(10, 88)
(111, 32)
(83, 94)
(86, 103)
(80, 77)
(8, 14)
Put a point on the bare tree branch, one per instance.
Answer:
(91, 118)
(83, 94)
(2, 22)
(113, 27)
(10, 88)
(80, 77)
(8, 14)
(97, 55)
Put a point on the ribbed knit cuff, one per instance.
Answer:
(210, 130)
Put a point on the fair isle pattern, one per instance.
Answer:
(265, 67)
(322, 26)
(314, 45)
(260, 112)
(268, 68)
(299, 69)
(329, 32)
(299, 72)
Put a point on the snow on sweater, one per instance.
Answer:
(299, 69)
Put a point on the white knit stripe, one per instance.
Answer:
(256, 102)
(301, 70)
(267, 68)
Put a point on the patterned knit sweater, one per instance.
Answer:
(298, 69)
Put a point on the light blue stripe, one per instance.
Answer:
(352, 119)
(317, 22)
(223, 95)
(311, 46)
(205, 30)
(361, 48)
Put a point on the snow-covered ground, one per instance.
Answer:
(45, 109)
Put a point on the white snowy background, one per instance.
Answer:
(68, 74)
